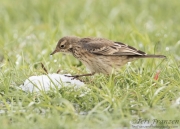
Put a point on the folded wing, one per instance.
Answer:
(102, 46)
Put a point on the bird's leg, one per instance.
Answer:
(77, 76)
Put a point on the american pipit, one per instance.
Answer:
(100, 55)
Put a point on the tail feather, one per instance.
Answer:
(147, 56)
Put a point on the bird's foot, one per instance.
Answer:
(82, 75)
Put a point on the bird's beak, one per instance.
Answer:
(54, 52)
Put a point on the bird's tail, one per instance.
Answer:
(148, 56)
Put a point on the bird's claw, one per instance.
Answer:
(72, 76)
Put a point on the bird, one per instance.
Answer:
(100, 55)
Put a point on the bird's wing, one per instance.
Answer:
(102, 46)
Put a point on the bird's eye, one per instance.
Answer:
(62, 46)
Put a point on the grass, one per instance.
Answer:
(29, 31)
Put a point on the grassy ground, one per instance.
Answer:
(29, 31)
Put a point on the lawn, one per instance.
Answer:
(29, 31)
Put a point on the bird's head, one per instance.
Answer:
(65, 44)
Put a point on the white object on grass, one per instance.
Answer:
(46, 82)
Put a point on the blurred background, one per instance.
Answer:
(29, 30)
